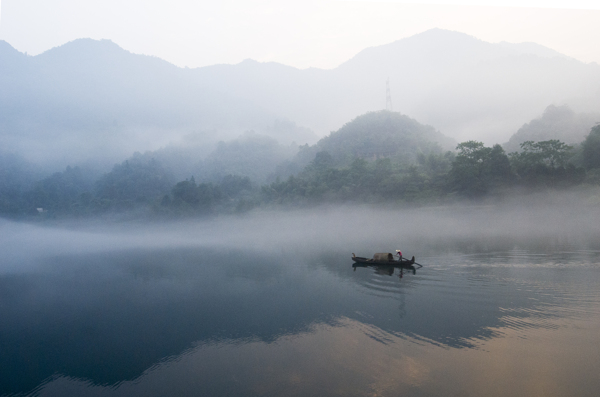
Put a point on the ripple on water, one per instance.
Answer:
(516, 290)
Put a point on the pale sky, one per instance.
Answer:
(308, 33)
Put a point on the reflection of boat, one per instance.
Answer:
(384, 263)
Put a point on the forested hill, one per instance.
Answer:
(557, 122)
(399, 164)
(375, 157)
(384, 134)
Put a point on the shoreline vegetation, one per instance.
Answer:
(380, 158)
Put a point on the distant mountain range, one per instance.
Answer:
(92, 99)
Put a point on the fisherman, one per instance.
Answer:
(399, 253)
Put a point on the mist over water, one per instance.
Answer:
(552, 221)
(268, 303)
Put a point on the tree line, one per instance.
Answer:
(473, 171)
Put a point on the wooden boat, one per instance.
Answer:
(386, 264)
(385, 260)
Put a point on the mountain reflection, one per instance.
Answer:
(108, 318)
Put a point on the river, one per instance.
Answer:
(271, 305)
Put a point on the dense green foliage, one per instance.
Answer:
(61, 193)
(362, 181)
(232, 194)
(477, 169)
(188, 196)
(16, 176)
(546, 163)
(379, 156)
(382, 134)
(252, 155)
(367, 165)
(134, 181)
(591, 149)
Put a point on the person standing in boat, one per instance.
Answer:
(399, 253)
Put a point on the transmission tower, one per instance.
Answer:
(388, 96)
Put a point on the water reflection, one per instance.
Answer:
(109, 323)
(340, 360)
(389, 269)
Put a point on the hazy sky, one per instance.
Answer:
(318, 33)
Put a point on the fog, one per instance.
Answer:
(91, 100)
(92, 104)
(544, 222)
(162, 218)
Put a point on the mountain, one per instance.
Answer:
(533, 49)
(92, 99)
(465, 87)
(470, 89)
(371, 136)
(383, 134)
(557, 122)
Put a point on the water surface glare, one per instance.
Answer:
(247, 321)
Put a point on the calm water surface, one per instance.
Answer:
(244, 322)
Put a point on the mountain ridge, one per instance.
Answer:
(94, 92)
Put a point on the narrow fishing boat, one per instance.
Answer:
(385, 259)
(384, 263)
